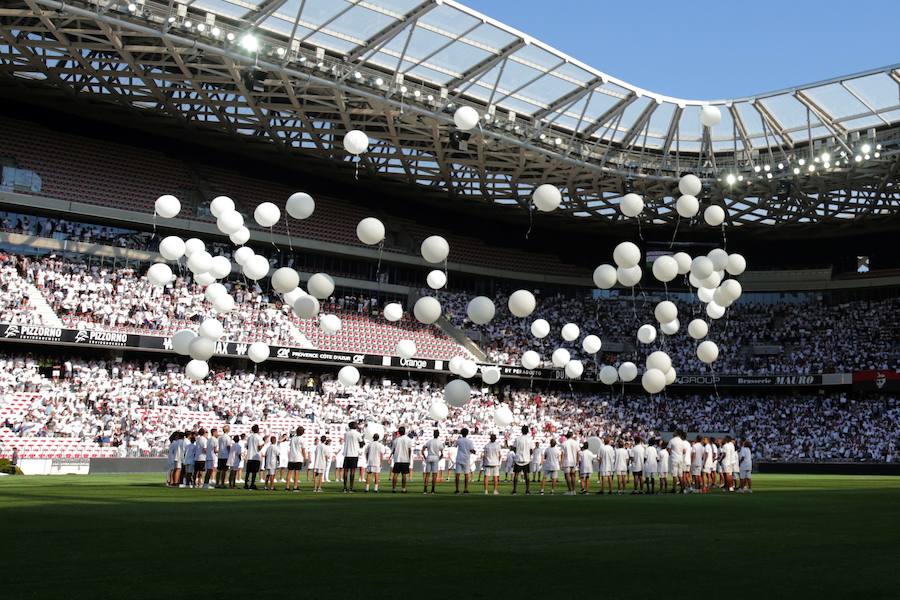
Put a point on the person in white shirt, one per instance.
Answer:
(401, 452)
(201, 443)
(211, 448)
(686, 461)
(676, 458)
(190, 456)
(728, 460)
(353, 442)
(708, 465)
(431, 455)
(524, 445)
(510, 464)
(570, 462)
(621, 467)
(284, 447)
(297, 455)
(464, 451)
(175, 458)
(537, 457)
(320, 462)
(607, 465)
(585, 467)
(374, 453)
(697, 463)
(745, 460)
(234, 461)
(254, 458)
(224, 450)
(637, 465)
(551, 466)
(271, 455)
(718, 478)
(490, 462)
(651, 466)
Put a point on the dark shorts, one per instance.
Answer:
(521, 468)
(200, 465)
(223, 464)
(401, 468)
(253, 466)
(295, 466)
(350, 462)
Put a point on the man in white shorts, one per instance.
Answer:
(697, 463)
(729, 457)
(676, 460)
(524, 446)
(551, 466)
(353, 443)
(401, 452)
(663, 464)
(536, 457)
(211, 447)
(637, 466)
(464, 451)
(745, 460)
(607, 465)
(490, 460)
(297, 455)
(510, 464)
(225, 443)
(570, 462)
(320, 462)
(651, 466)
(708, 465)
(621, 467)
(201, 443)
(431, 453)
(585, 467)
(374, 454)
(235, 451)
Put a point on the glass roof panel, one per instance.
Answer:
(537, 56)
(547, 89)
(491, 36)
(788, 111)
(422, 42)
(361, 22)
(449, 19)
(570, 71)
(399, 6)
(515, 75)
(458, 57)
(878, 90)
(332, 43)
(224, 8)
(317, 12)
(836, 101)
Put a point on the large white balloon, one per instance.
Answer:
(348, 375)
(438, 410)
(330, 324)
(480, 309)
(436, 279)
(256, 267)
(193, 245)
(370, 231)
(710, 116)
(628, 371)
(204, 279)
(503, 417)
(687, 206)
(356, 142)
(720, 297)
(698, 329)
(654, 381)
(719, 258)
(196, 369)
(665, 312)
(665, 268)
(522, 303)
(705, 295)
(306, 307)
(609, 375)
(468, 368)
(646, 334)
(221, 267)
(574, 369)
(320, 285)
(221, 204)
(690, 185)
(701, 267)
(465, 118)
(456, 363)
(591, 344)
(671, 376)
(199, 262)
(605, 276)
(547, 198)
(181, 341)
(540, 328)
(258, 352)
(427, 310)
(659, 360)
(627, 255)
(266, 214)
(631, 205)
(393, 312)
(293, 295)
(490, 375)
(711, 282)
(457, 392)
(406, 349)
(213, 291)
(285, 279)
(670, 328)
(240, 237)
(159, 274)
(630, 276)
(732, 289)
(224, 303)
(201, 348)
(171, 247)
(560, 357)
(435, 249)
(708, 352)
(230, 222)
(372, 429)
(167, 206)
(714, 311)
(736, 264)
(531, 360)
(714, 215)
(243, 254)
(300, 205)
(570, 332)
(211, 329)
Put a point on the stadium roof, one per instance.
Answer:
(397, 69)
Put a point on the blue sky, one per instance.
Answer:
(705, 50)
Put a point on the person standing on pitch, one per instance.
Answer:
(431, 454)
(202, 443)
(224, 443)
(663, 458)
(551, 466)
(537, 457)
(728, 460)
(697, 451)
(676, 459)
(401, 451)
(211, 447)
(524, 445)
(464, 451)
(621, 467)
(320, 462)
(490, 463)
(271, 463)
(570, 462)
(607, 465)
(235, 451)
(745, 461)
(297, 455)
(353, 441)
(637, 466)
(374, 453)
(651, 458)
(254, 444)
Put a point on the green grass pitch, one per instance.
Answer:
(118, 536)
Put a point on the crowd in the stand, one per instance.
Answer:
(136, 406)
(63, 229)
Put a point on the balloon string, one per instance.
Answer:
(666, 287)
(640, 232)
(677, 223)
(272, 236)
(724, 239)
(356, 173)
(380, 252)
(633, 305)
(287, 225)
(530, 220)
(715, 387)
(154, 223)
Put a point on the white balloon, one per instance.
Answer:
(320, 285)
(285, 279)
(687, 206)
(256, 267)
(159, 274)
(241, 255)
(591, 344)
(736, 264)
(630, 276)
(503, 417)
(181, 341)
(659, 360)
(201, 348)
(427, 310)
(193, 245)
(438, 410)
(719, 258)
(560, 357)
(631, 205)
(348, 376)
(684, 262)
(330, 324)
(720, 297)
(306, 307)
(393, 312)
(609, 375)
(665, 312)
(654, 381)
(465, 118)
(196, 369)
(300, 205)
(705, 295)
(370, 231)
(646, 334)
(435, 249)
(293, 295)
(480, 309)
(707, 352)
(167, 206)
(436, 279)
(570, 332)
(711, 282)
(240, 237)
(468, 369)
(211, 329)
(521, 303)
(531, 360)
(690, 185)
(204, 279)
(714, 215)
(224, 303)
(710, 116)
(406, 349)
(670, 328)
(221, 204)
(171, 247)
(671, 376)
(220, 267)
(258, 352)
(372, 429)
(701, 267)
(457, 393)
(595, 445)
(547, 198)
(714, 311)
(732, 289)
(213, 291)
(540, 328)
(356, 142)
(456, 363)
(698, 329)
(490, 375)
(628, 371)
(665, 268)
(574, 369)
(199, 262)
(627, 255)
(230, 222)
(605, 276)
(266, 214)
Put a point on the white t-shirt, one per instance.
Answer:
(698, 455)
(433, 450)
(587, 462)
(201, 444)
(746, 459)
(320, 458)
(551, 458)
(352, 440)
(650, 459)
(234, 455)
(524, 446)
(254, 443)
(637, 458)
(729, 460)
(283, 451)
(570, 452)
(374, 453)
(464, 447)
(295, 449)
(272, 456)
(675, 450)
(491, 454)
(211, 452)
(621, 459)
(708, 456)
(608, 460)
(401, 448)
(225, 443)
